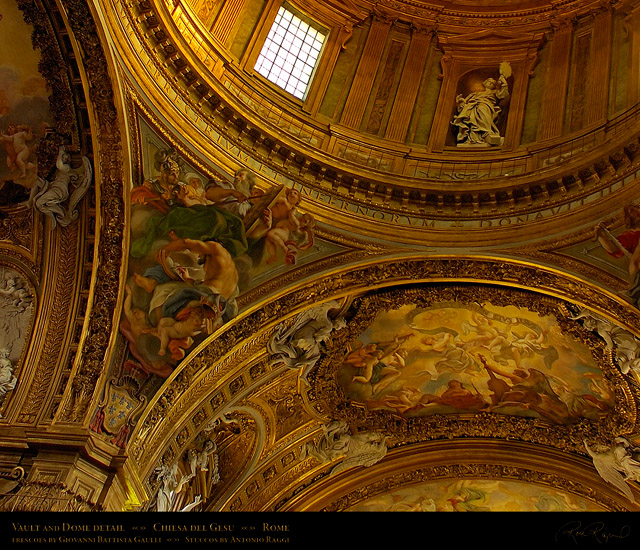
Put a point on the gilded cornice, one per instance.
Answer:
(551, 253)
(412, 203)
(511, 14)
(460, 460)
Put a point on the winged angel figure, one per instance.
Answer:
(617, 464)
(300, 345)
(363, 449)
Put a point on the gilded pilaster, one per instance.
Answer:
(632, 25)
(596, 107)
(409, 85)
(365, 75)
(227, 19)
(555, 96)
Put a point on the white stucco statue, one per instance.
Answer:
(199, 460)
(15, 294)
(475, 120)
(7, 379)
(58, 199)
(617, 464)
(168, 477)
(300, 345)
(626, 346)
(363, 449)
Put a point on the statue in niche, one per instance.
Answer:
(362, 449)
(617, 464)
(58, 199)
(475, 121)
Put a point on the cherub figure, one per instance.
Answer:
(283, 210)
(386, 357)
(136, 317)
(188, 324)
(278, 237)
(18, 150)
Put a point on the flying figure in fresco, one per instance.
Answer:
(625, 245)
(380, 362)
(279, 237)
(194, 248)
(468, 499)
(18, 150)
(528, 388)
(220, 279)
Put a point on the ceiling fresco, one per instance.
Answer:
(452, 359)
(25, 114)
(185, 226)
(476, 496)
(218, 297)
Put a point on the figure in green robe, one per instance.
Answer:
(198, 222)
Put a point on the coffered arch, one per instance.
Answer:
(230, 343)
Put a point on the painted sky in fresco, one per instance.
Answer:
(23, 91)
(455, 358)
(476, 496)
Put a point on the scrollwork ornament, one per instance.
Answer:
(110, 252)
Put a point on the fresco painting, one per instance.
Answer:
(25, 116)
(623, 249)
(455, 358)
(477, 495)
(197, 243)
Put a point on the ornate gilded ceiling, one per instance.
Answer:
(217, 296)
